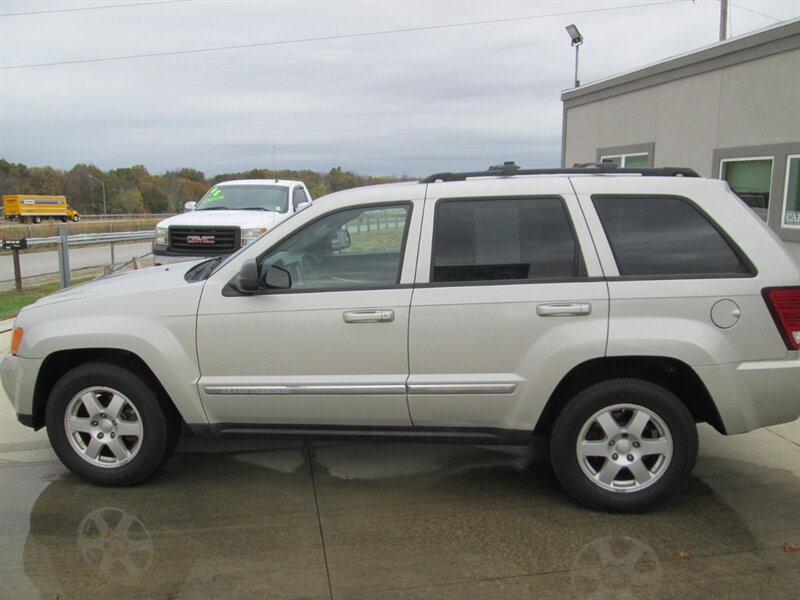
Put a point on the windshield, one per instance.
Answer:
(272, 198)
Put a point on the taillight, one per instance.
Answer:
(784, 304)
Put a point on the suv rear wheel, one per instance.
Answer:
(107, 425)
(623, 445)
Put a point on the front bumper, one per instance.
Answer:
(755, 394)
(18, 376)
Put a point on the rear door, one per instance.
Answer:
(509, 297)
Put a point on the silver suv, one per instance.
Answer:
(607, 309)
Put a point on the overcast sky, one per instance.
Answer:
(396, 88)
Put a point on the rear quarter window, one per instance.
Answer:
(666, 237)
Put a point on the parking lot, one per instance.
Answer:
(253, 519)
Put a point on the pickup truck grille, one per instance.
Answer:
(204, 240)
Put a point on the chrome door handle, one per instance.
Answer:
(571, 309)
(383, 315)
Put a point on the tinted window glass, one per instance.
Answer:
(518, 239)
(665, 236)
(351, 249)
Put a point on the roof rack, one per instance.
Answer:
(510, 168)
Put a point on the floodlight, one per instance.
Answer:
(574, 35)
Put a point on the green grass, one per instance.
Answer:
(384, 240)
(12, 302)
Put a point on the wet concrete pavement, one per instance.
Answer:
(252, 520)
(293, 520)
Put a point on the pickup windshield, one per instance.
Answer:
(272, 198)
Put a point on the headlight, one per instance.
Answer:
(161, 236)
(249, 235)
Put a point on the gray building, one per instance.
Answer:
(730, 110)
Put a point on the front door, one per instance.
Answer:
(329, 350)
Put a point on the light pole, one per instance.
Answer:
(723, 20)
(101, 182)
(577, 40)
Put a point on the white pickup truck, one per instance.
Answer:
(230, 215)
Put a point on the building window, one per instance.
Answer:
(751, 179)
(791, 199)
(630, 161)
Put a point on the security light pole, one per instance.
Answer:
(577, 40)
(101, 182)
(723, 20)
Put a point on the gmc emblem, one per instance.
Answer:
(199, 239)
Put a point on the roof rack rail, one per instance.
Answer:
(510, 168)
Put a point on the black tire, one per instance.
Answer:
(638, 445)
(37, 220)
(76, 218)
(126, 435)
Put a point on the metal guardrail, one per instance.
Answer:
(63, 241)
(87, 239)
(130, 216)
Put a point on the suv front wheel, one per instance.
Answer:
(623, 445)
(108, 426)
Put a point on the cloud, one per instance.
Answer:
(411, 102)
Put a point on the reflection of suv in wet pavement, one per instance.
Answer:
(609, 309)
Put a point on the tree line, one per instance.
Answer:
(133, 190)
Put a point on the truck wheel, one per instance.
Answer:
(107, 425)
(63, 219)
(37, 219)
(76, 218)
(623, 445)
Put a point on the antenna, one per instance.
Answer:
(274, 170)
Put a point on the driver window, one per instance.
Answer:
(351, 249)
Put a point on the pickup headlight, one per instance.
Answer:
(161, 236)
(249, 235)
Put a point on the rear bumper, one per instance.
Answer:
(757, 394)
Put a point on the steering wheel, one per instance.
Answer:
(308, 265)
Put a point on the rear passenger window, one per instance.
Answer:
(504, 239)
(665, 237)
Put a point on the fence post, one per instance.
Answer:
(17, 270)
(63, 256)
(112, 255)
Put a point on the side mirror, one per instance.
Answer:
(340, 239)
(278, 278)
(189, 206)
(303, 205)
(247, 280)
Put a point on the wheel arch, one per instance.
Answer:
(57, 364)
(672, 374)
